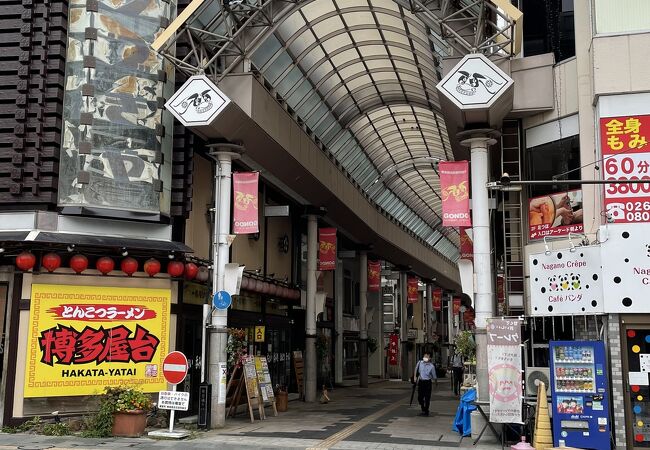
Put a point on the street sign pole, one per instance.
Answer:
(172, 414)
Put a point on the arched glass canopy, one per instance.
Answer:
(361, 74)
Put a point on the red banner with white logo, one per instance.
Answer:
(393, 349)
(466, 244)
(412, 290)
(456, 305)
(326, 248)
(436, 299)
(454, 192)
(374, 276)
(245, 217)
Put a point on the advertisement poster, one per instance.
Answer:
(374, 276)
(393, 349)
(504, 369)
(626, 156)
(245, 214)
(454, 192)
(436, 299)
(412, 290)
(84, 338)
(466, 244)
(555, 215)
(326, 248)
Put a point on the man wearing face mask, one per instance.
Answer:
(425, 374)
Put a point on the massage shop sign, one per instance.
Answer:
(504, 369)
(84, 338)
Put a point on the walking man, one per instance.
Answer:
(425, 374)
(457, 368)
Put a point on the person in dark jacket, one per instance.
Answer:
(424, 375)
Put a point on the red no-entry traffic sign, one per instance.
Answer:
(175, 367)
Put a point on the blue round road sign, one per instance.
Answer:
(221, 300)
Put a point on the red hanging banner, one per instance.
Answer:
(454, 191)
(374, 276)
(456, 305)
(245, 213)
(412, 290)
(436, 299)
(326, 248)
(393, 349)
(466, 244)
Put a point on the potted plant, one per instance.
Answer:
(236, 347)
(129, 406)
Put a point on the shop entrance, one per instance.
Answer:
(635, 350)
(191, 347)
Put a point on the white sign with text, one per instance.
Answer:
(174, 400)
(626, 267)
(567, 281)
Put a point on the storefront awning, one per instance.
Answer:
(87, 240)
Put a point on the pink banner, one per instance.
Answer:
(374, 276)
(454, 192)
(436, 299)
(466, 244)
(327, 249)
(245, 213)
(393, 349)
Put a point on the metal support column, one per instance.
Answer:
(310, 312)
(218, 330)
(403, 325)
(484, 297)
(363, 331)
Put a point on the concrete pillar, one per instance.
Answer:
(338, 322)
(363, 331)
(310, 313)
(403, 326)
(483, 299)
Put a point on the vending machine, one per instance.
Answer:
(579, 389)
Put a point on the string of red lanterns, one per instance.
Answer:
(79, 263)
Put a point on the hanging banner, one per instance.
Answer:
(412, 290)
(504, 369)
(626, 156)
(436, 299)
(84, 338)
(555, 215)
(327, 249)
(454, 192)
(466, 244)
(393, 349)
(374, 276)
(456, 306)
(245, 198)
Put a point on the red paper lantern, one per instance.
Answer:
(51, 262)
(152, 267)
(129, 266)
(203, 275)
(284, 292)
(296, 294)
(78, 263)
(25, 261)
(244, 283)
(273, 289)
(175, 268)
(191, 270)
(105, 264)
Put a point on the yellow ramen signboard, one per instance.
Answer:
(84, 338)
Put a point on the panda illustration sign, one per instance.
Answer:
(567, 281)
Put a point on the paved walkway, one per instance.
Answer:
(378, 417)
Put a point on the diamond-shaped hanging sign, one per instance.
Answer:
(198, 102)
(474, 83)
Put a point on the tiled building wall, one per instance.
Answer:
(616, 373)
